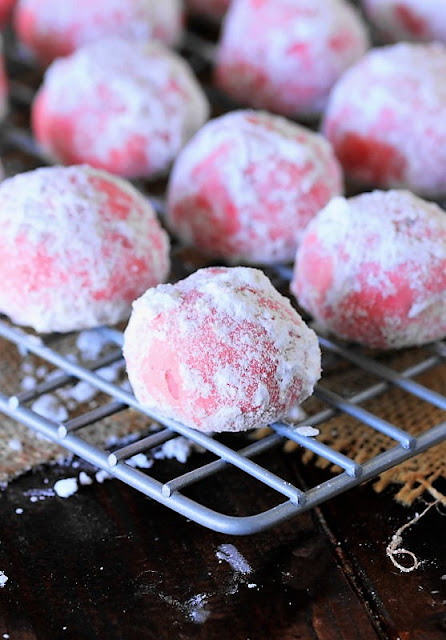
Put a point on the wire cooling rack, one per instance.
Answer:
(18, 148)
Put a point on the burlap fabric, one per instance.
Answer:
(414, 477)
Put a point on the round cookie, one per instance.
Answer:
(221, 350)
(211, 9)
(417, 20)
(77, 247)
(50, 29)
(126, 107)
(386, 119)
(246, 186)
(372, 269)
(285, 55)
(6, 7)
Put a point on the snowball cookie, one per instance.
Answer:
(6, 7)
(212, 9)
(386, 119)
(77, 247)
(127, 107)
(285, 55)
(246, 186)
(221, 350)
(53, 28)
(395, 20)
(372, 269)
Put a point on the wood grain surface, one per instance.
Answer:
(108, 563)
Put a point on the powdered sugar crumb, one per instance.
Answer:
(84, 479)
(196, 608)
(49, 407)
(307, 431)
(102, 475)
(234, 558)
(140, 461)
(295, 414)
(19, 511)
(91, 342)
(177, 448)
(28, 382)
(3, 579)
(66, 487)
(15, 444)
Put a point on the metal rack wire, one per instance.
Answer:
(289, 500)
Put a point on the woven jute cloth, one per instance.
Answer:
(20, 448)
(423, 473)
(418, 475)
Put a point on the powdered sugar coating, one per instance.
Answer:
(6, 7)
(221, 350)
(77, 247)
(386, 118)
(213, 9)
(373, 269)
(54, 28)
(245, 187)
(127, 107)
(419, 20)
(285, 55)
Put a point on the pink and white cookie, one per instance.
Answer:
(50, 29)
(126, 107)
(221, 350)
(246, 186)
(419, 20)
(372, 269)
(386, 119)
(285, 55)
(77, 247)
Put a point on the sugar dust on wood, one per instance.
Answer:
(234, 558)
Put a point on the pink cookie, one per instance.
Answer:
(127, 107)
(221, 350)
(77, 247)
(372, 269)
(285, 55)
(213, 9)
(6, 7)
(247, 185)
(386, 119)
(54, 28)
(422, 20)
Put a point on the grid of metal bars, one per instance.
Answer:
(290, 499)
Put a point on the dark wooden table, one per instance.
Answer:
(108, 563)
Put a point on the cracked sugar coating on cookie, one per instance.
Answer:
(221, 350)
(54, 28)
(246, 186)
(386, 119)
(285, 55)
(77, 247)
(372, 269)
(419, 20)
(126, 107)
(213, 9)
